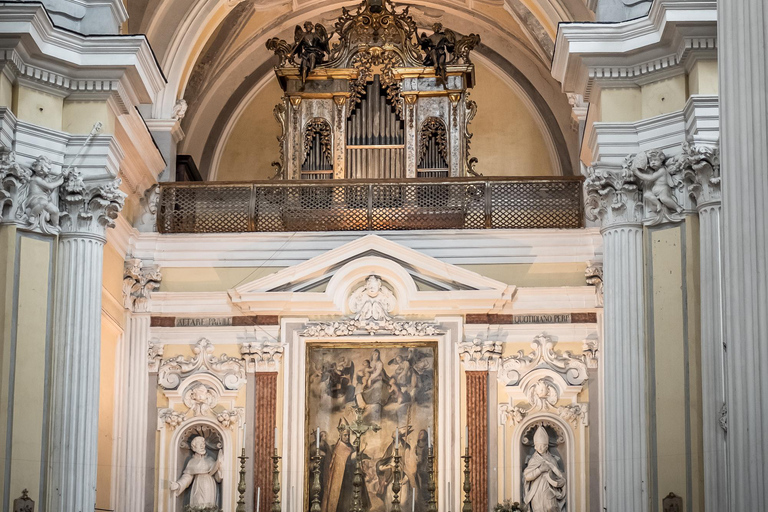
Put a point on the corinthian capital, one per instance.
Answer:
(89, 209)
(701, 173)
(138, 283)
(14, 179)
(612, 197)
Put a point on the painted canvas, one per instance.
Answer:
(392, 388)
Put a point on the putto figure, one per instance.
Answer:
(655, 170)
(311, 47)
(543, 478)
(437, 47)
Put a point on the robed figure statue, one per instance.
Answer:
(201, 475)
(544, 479)
(436, 49)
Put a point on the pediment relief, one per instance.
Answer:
(323, 285)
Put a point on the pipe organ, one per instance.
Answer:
(375, 99)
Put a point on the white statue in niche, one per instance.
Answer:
(204, 474)
(544, 480)
(372, 302)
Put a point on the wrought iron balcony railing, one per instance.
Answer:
(370, 205)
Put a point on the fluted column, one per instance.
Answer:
(743, 62)
(131, 470)
(86, 213)
(613, 199)
(702, 177)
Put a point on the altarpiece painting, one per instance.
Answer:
(390, 387)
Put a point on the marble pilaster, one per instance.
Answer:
(744, 156)
(87, 211)
(614, 201)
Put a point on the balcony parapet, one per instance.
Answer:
(371, 205)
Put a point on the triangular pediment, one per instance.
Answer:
(421, 283)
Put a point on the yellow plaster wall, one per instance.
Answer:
(6, 92)
(110, 338)
(30, 368)
(668, 360)
(80, 116)
(703, 78)
(507, 139)
(621, 105)
(534, 274)
(664, 96)
(38, 107)
(7, 261)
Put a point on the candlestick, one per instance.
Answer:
(431, 486)
(276, 482)
(241, 484)
(315, 488)
(467, 484)
(396, 479)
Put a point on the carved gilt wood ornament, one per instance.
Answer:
(327, 74)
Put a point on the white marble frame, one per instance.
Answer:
(291, 440)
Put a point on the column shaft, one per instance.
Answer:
(264, 431)
(132, 455)
(712, 360)
(743, 63)
(625, 355)
(75, 379)
(477, 423)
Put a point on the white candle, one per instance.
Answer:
(466, 436)
(413, 500)
(242, 438)
(275, 438)
(450, 497)
(318, 439)
(258, 499)
(429, 437)
(397, 438)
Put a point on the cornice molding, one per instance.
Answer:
(71, 62)
(665, 43)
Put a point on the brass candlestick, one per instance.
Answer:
(467, 484)
(276, 482)
(432, 505)
(396, 478)
(315, 488)
(357, 484)
(241, 484)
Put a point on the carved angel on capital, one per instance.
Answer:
(656, 171)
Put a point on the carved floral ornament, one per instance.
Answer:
(139, 281)
(371, 304)
(44, 198)
(540, 380)
(650, 187)
(229, 370)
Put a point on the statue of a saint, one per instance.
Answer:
(311, 47)
(544, 480)
(372, 302)
(203, 473)
(437, 47)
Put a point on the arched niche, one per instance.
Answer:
(562, 439)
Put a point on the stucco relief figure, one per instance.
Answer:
(311, 47)
(372, 302)
(655, 171)
(437, 47)
(38, 200)
(201, 476)
(544, 480)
